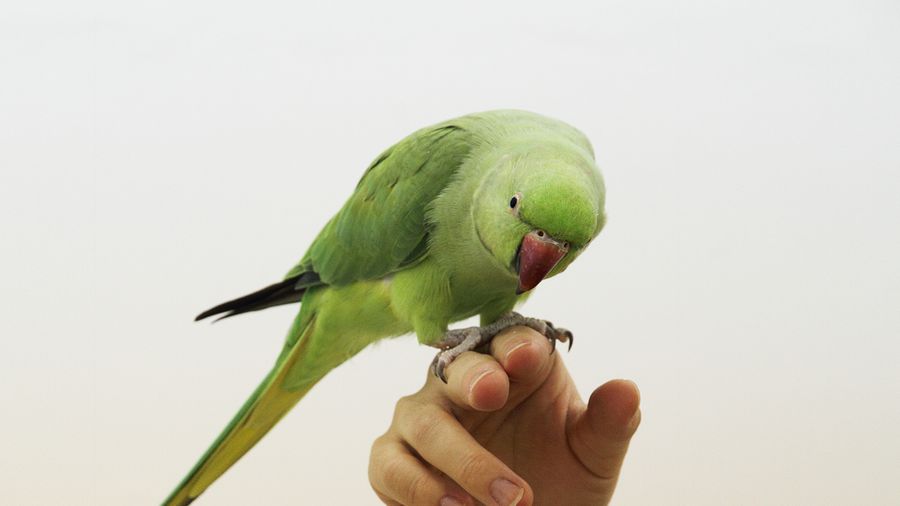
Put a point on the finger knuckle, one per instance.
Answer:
(390, 473)
(410, 486)
(376, 465)
(472, 467)
(406, 405)
(416, 489)
(424, 427)
(377, 448)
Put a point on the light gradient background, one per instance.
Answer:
(160, 158)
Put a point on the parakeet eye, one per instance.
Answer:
(514, 203)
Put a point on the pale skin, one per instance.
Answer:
(508, 428)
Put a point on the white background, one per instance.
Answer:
(160, 158)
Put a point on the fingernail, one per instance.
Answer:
(505, 492)
(449, 500)
(634, 421)
(633, 385)
(478, 378)
(514, 348)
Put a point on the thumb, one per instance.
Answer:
(602, 432)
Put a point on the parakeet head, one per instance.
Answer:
(538, 209)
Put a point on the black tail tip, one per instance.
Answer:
(207, 314)
(204, 315)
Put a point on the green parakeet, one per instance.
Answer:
(459, 219)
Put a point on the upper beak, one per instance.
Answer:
(538, 254)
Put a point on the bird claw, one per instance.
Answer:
(455, 343)
(437, 368)
(440, 363)
(458, 341)
(557, 334)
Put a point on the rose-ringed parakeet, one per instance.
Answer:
(459, 219)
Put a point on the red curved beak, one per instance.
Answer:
(538, 254)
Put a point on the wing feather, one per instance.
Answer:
(382, 226)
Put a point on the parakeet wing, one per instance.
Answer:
(382, 227)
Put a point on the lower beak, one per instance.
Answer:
(538, 254)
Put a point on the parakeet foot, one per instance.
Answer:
(458, 341)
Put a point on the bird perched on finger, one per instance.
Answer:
(458, 219)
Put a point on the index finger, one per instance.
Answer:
(475, 381)
(524, 353)
(480, 382)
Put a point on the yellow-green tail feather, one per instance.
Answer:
(261, 412)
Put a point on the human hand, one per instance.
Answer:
(508, 428)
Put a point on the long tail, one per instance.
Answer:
(260, 413)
